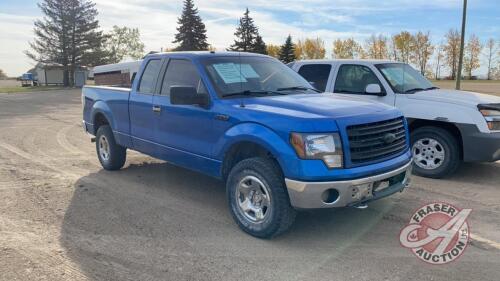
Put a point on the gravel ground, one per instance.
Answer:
(64, 218)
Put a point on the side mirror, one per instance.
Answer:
(183, 95)
(374, 89)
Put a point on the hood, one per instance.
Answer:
(308, 112)
(456, 97)
(314, 106)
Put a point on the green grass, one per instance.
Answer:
(19, 89)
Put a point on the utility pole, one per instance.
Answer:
(462, 42)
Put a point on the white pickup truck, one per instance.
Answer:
(447, 126)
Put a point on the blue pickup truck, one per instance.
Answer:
(277, 143)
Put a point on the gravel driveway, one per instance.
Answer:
(62, 217)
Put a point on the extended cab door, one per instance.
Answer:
(353, 79)
(317, 74)
(184, 132)
(141, 107)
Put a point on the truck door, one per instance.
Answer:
(318, 75)
(353, 79)
(183, 132)
(141, 107)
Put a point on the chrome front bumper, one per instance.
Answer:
(314, 195)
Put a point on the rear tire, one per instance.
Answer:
(436, 153)
(111, 155)
(257, 198)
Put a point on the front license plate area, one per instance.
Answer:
(384, 184)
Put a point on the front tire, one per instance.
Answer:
(436, 152)
(111, 155)
(257, 198)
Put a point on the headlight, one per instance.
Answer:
(492, 115)
(326, 147)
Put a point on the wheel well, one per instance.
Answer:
(450, 127)
(241, 151)
(99, 120)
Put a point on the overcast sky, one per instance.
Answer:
(328, 19)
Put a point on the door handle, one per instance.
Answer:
(156, 108)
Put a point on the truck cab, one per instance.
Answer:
(447, 126)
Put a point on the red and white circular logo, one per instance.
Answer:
(437, 233)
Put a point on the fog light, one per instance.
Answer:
(329, 196)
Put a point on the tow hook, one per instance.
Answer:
(361, 206)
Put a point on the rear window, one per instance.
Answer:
(317, 74)
(149, 77)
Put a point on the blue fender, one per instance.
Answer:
(103, 108)
(263, 136)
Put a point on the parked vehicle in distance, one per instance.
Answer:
(446, 126)
(252, 122)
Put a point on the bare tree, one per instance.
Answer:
(439, 60)
(491, 51)
(422, 51)
(376, 47)
(452, 51)
(472, 52)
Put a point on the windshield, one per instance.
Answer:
(250, 76)
(403, 78)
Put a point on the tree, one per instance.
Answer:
(490, 55)
(2, 74)
(439, 61)
(422, 51)
(347, 49)
(311, 49)
(452, 51)
(124, 42)
(67, 35)
(259, 46)
(247, 35)
(376, 47)
(273, 50)
(403, 46)
(472, 52)
(287, 51)
(191, 32)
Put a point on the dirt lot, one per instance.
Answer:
(486, 87)
(63, 218)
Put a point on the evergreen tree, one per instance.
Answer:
(287, 51)
(67, 35)
(191, 32)
(246, 36)
(259, 46)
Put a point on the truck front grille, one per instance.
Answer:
(375, 141)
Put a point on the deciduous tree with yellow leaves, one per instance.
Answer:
(347, 49)
(422, 51)
(472, 52)
(310, 49)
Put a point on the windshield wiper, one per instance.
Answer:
(414, 90)
(252, 93)
(300, 88)
(420, 89)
